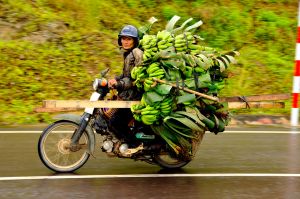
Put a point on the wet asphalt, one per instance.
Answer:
(269, 151)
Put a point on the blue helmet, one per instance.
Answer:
(129, 31)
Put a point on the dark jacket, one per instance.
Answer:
(127, 91)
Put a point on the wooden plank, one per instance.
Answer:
(53, 110)
(76, 105)
(257, 98)
(241, 105)
(88, 104)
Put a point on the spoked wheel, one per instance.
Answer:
(166, 160)
(54, 147)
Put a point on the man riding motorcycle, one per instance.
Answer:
(119, 118)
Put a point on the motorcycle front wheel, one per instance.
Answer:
(54, 150)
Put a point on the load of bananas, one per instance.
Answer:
(175, 55)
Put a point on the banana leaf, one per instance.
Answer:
(185, 121)
(192, 116)
(226, 62)
(221, 65)
(151, 97)
(168, 54)
(230, 59)
(204, 81)
(190, 83)
(163, 89)
(182, 133)
(196, 25)
(171, 23)
(187, 97)
(171, 63)
(208, 123)
(182, 26)
(146, 28)
(168, 136)
(205, 60)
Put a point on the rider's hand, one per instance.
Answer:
(112, 83)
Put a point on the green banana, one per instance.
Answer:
(148, 46)
(180, 45)
(154, 112)
(157, 73)
(168, 106)
(162, 42)
(150, 118)
(153, 69)
(181, 36)
(163, 47)
(148, 108)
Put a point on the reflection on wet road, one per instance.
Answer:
(245, 157)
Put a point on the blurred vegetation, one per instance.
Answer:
(53, 49)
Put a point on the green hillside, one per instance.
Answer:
(53, 49)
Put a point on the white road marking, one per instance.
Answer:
(17, 178)
(225, 132)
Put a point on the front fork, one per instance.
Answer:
(85, 119)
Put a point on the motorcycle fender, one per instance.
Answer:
(89, 130)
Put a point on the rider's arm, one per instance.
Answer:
(124, 82)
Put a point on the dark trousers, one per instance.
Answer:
(118, 123)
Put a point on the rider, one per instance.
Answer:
(128, 41)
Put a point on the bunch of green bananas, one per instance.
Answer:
(199, 63)
(183, 41)
(165, 40)
(136, 110)
(149, 83)
(149, 45)
(198, 49)
(139, 74)
(154, 70)
(149, 115)
(166, 107)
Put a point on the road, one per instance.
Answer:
(241, 163)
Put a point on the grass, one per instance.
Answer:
(57, 47)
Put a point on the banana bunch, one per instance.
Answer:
(199, 62)
(136, 110)
(165, 40)
(198, 49)
(166, 106)
(183, 42)
(149, 83)
(149, 45)
(149, 115)
(139, 74)
(154, 70)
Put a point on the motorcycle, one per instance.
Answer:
(67, 144)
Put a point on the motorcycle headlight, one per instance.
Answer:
(96, 84)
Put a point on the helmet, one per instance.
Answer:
(129, 31)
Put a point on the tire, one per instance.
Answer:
(168, 162)
(52, 147)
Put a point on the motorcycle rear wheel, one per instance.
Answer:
(54, 151)
(165, 160)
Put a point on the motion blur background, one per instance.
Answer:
(53, 49)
